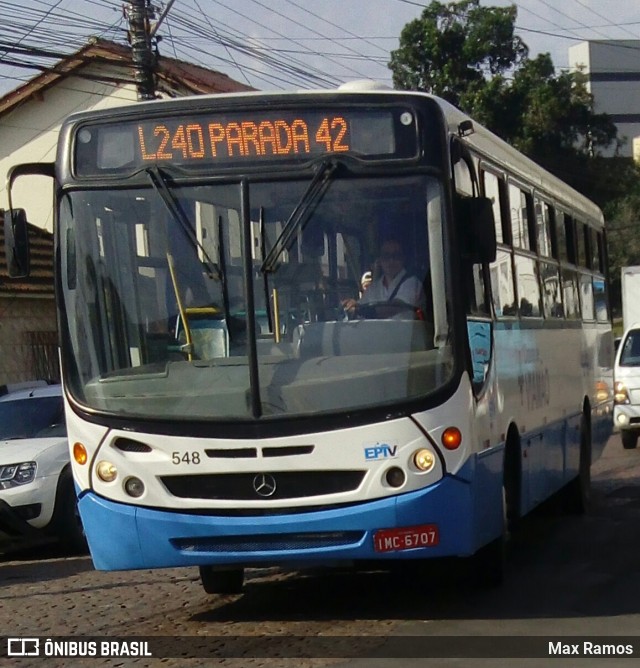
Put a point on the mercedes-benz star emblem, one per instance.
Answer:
(264, 484)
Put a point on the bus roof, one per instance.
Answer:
(481, 140)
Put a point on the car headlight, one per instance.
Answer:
(12, 475)
(621, 395)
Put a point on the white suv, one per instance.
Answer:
(37, 496)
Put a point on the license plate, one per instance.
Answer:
(407, 538)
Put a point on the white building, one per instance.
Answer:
(613, 71)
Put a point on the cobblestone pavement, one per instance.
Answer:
(45, 594)
(59, 596)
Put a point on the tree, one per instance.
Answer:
(471, 56)
(449, 50)
(623, 238)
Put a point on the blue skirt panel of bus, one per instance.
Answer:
(127, 537)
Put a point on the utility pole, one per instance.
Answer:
(142, 53)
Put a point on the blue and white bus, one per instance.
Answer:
(226, 411)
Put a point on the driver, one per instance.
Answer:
(395, 289)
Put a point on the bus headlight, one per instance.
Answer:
(424, 460)
(621, 394)
(106, 471)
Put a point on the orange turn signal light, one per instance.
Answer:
(451, 438)
(80, 453)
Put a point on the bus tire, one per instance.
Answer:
(512, 479)
(66, 522)
(577, 494)
(222, 580)
(629, 439)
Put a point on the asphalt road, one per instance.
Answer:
(567, 576)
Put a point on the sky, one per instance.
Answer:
(284, 44)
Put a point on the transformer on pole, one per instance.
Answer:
(143, 55)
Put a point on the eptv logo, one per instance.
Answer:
(381, 451)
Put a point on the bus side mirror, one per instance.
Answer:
(16, 243)
(477, 228)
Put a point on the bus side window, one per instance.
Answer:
(543, 227)
(502, 287)
(519, 208)
(570, 235)
(551, 295)
(479, 333)
(570, 294)
(600, 300)
(559, 237)
(463, 178)
(528, 285)
(601, 251)
(492, 187)
(477, 303)
(581, 259)
(586, 297)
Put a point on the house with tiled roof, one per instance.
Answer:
(99, 75)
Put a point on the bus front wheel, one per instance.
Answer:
(221, 581)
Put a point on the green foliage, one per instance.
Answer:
(451, 48)
(471, 56)
(623, 232)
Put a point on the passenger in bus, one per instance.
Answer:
(394, 291)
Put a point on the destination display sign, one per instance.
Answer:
(207, 141)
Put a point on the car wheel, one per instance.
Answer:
(222, 581)
(629, 439)
(67, 524)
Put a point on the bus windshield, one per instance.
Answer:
(244, 300)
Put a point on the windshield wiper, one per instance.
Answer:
(301, 212)
(159, 182)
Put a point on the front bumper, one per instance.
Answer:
(626, 416)
(127, 537)
(14, 530)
